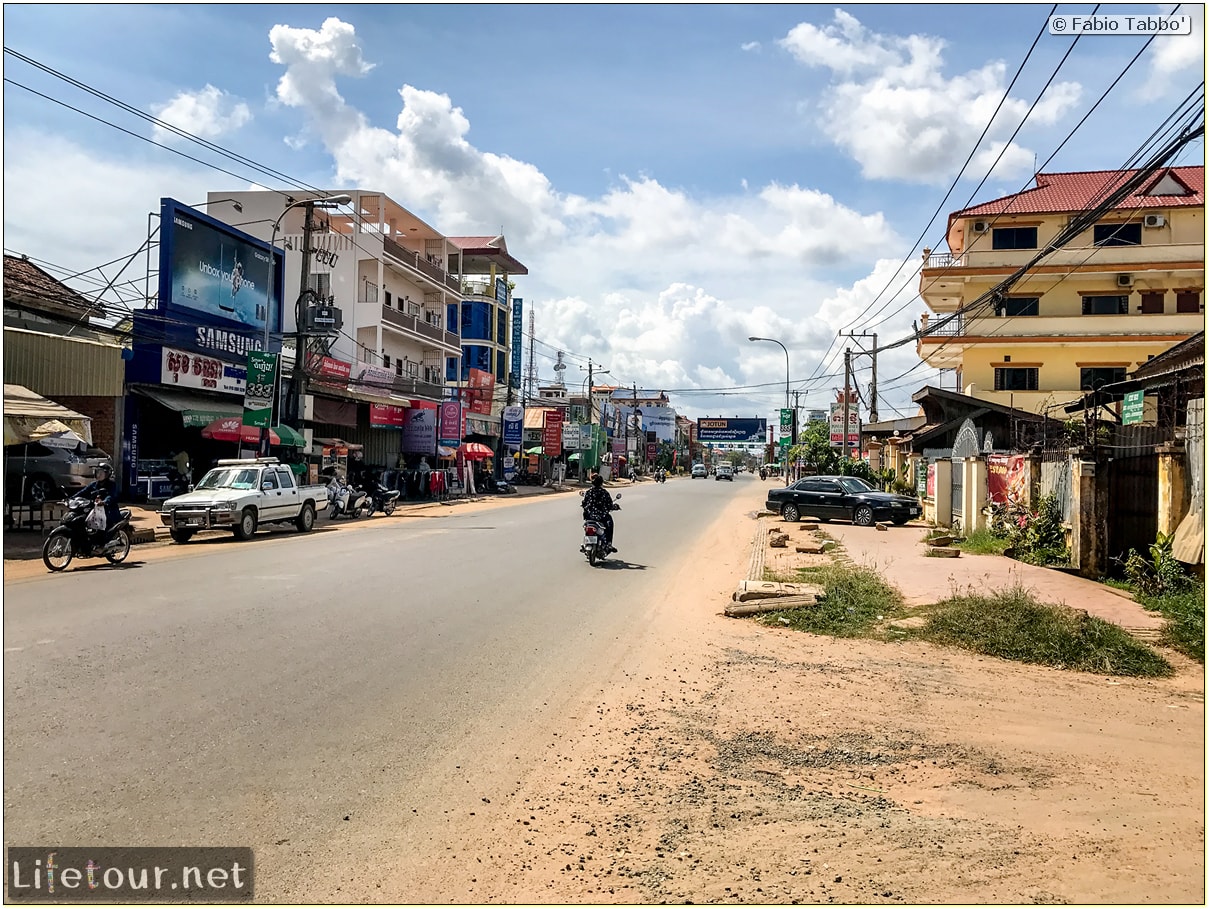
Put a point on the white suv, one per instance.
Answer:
(724, 472)
(699, 471)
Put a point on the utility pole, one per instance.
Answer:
(638, 440)
(847, 392)
(298, 376)
(793, 433)
(873, 418)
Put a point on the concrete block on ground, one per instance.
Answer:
(812, 550)
(759, 590)
(940, 541)
(776, 604)
(944, 552)
(779, 542)
(882, 526)
(810, 526)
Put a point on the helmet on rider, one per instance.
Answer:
(103, 471)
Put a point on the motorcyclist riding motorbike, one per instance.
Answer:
(597, 504)
(104, 489)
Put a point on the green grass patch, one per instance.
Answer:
(1185, 613)
(983, 542)
(1014, 625)
(855, 600)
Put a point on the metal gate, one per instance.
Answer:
(1133, 504)
(1056, 479)
(956, 491)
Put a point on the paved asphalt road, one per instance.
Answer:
(266, 693)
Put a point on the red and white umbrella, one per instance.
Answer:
(475, 451)
(232, 429)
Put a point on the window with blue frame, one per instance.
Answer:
(501, 325)
(476, 320)
(475, 356)
(499, 367)
(452, 323)
(451, 369)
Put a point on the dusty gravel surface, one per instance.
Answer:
(729, 762)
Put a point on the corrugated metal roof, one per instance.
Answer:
(60, 365)
(1070, 192)
(28, 286)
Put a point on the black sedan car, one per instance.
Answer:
(847, 498)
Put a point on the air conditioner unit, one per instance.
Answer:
(1124, 280)
(1153, 221)
(981, 227)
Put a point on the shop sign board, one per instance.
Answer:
(837, 425)
(419, 431)
(329, 369)
(387, 415)
(571, 436)
(514, 421)
(190, 370)
(552, 436)
(260, 389)
(1133, 407)
(451, 423)
(514, 378)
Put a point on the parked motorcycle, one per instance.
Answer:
(73, 540)
(345, 500)
(595, 532)
(381, 497)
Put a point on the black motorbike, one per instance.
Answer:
(73, 540)
(594, 545)
(380, 497)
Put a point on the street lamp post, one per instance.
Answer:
(793, 431)
(310, 204)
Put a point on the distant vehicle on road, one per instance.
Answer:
(242, 494)
(699, 471)
(845, 498)
(724, 472)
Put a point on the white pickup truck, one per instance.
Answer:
(243, 494)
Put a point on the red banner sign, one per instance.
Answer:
(1007, 479)
(552, 433)
(652, 451)
(477, 394)
(385, 415)
(322, 367)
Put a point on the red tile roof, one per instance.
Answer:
(1071, 192)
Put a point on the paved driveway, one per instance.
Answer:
(900, 556)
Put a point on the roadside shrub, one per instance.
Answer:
(1038, 537)
(1161, 574)
(855, 598)
(1013, 625)
(983, 542)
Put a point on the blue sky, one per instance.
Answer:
(676, 177)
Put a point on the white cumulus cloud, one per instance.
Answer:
(893, 109)
(1173, 56)
(208, 113)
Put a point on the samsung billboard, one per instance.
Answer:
(215, 278)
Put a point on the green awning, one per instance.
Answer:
(291, 438)
(536, 449)
(196, 411)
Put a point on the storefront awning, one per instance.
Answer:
(25, 411)
(196, 410)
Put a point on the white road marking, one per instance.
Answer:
(47, 641)
(13, 649)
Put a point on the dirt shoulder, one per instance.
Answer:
(729, 762)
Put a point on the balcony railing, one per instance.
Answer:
(419, 327)
(945, 260)
(1073, 326)
(422, 265)
(408, 387)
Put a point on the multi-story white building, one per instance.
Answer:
(407, 293)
